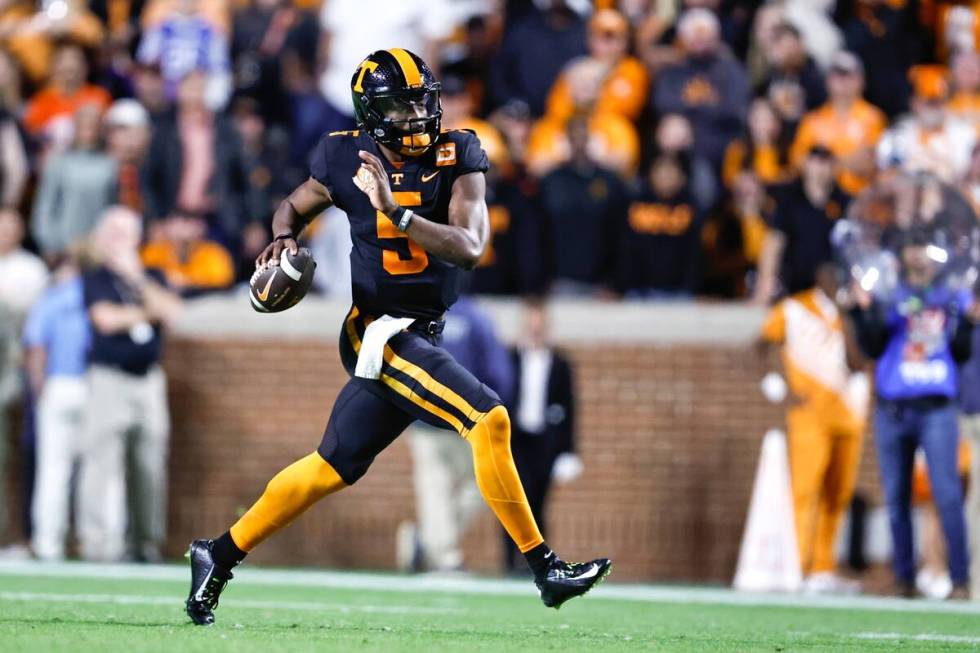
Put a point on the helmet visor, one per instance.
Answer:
(410, 113)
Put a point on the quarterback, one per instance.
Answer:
(414, 196)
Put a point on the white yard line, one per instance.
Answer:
(247, 575)
(919, 637)
(132, 599)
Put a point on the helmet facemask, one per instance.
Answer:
(406, 120)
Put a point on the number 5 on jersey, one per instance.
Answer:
(392, 262)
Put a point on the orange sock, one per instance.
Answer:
(496, 476)
(286, 497)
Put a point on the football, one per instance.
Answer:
(275, 288)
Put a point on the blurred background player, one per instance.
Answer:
(543, 438)
(126, 418)
(825, 418)
(446, 496)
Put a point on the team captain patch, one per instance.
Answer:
(446, 154)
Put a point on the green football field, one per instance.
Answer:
(80, 608)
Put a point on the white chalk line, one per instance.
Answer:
(132, 599)
(919, 637)
(382, 582)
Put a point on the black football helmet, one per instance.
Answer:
(396, 101)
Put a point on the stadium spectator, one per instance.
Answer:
(49, 112)
(847, 125)
(150, 90)
(14, 165)
(76, 187)
(964, 103)
(183, 41)
(708, 86)
(658, 251)
(23, 277)
(582, 204)
(613, 141)
(195, 162)
(31, 36)
(191, 263)
(126, 405)
(799, 238)
(262, 32)
(929, 141)
(534, 50)
(625, 82)
(481, 35)
(446, 496)
(265, 158)
(887, 39)
(918, 338)
(732, 239)
(763, 153)
(310, 115)
(543, 437)
(674, 136)
(458, 112)
(127, 126)
(826, 420)
(514, 224)
(793, 82)
(348, 37)
(56, 338)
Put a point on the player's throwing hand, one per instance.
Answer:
(274, 250)
(372, 179)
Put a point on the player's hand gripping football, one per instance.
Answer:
(272, 251)
(372, 179)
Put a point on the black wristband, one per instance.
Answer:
(284, 237)
(397, 215)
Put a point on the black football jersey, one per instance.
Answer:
(390, 273)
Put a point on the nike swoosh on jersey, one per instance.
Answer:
(426, 178)
(265, 291)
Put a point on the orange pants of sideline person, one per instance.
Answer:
(823, 456)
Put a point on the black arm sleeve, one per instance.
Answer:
(872, 332)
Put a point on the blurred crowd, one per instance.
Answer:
(640, 148)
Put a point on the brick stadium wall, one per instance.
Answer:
(669, 435)
(670, 423)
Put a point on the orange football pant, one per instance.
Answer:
(824, 455)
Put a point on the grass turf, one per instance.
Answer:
(51, 612)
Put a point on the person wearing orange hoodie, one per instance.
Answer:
(625, 84)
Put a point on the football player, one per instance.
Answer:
(414, 196)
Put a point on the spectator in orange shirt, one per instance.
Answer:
(192, 263)
(65, 93)
(30, 35)
(762, 153)
(965, 101)
(613, 141)
(624, 86)
(847, 125)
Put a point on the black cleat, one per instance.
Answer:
(566, 580)
(207, 582)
